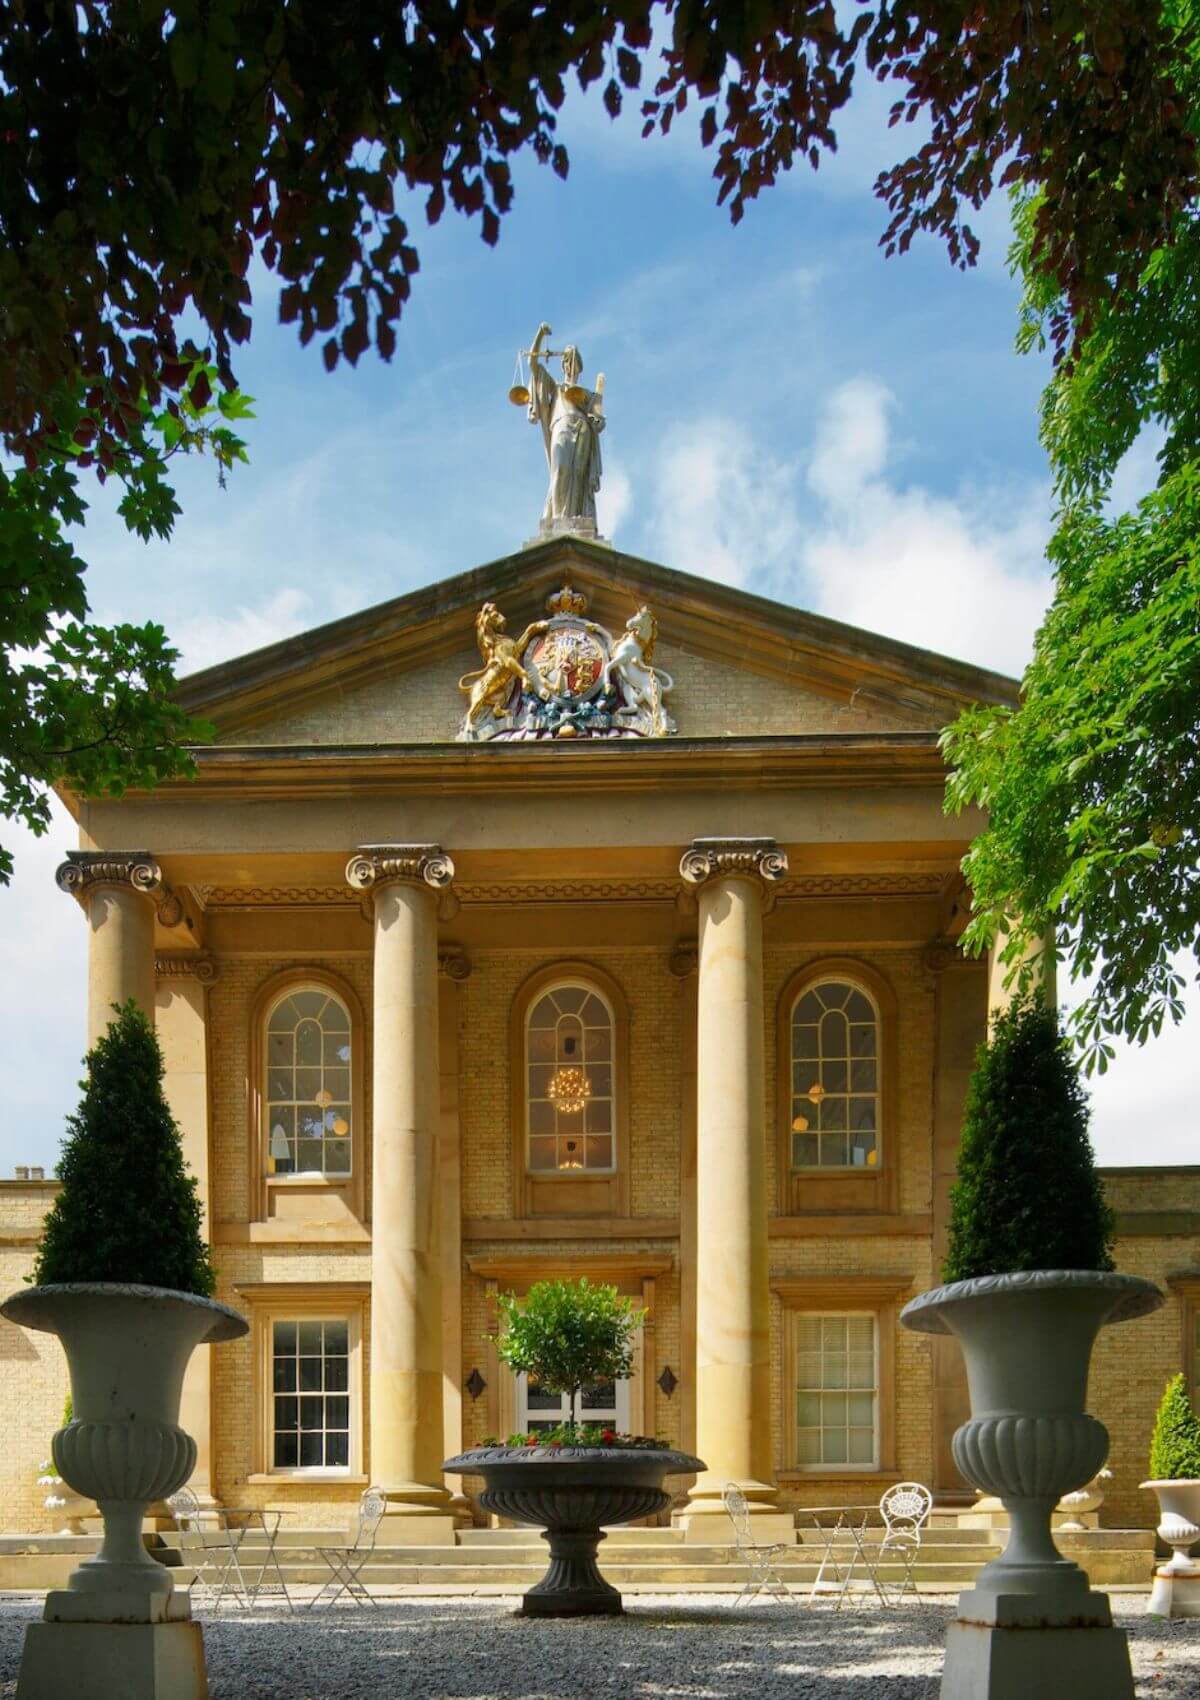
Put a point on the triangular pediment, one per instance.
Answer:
(742, 666)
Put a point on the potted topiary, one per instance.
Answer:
(123, 1277)
(1175, 1478)
(571, 1479)
(1030, 1283)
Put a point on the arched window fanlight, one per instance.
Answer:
(308, 1100)
(569, 1084)
(835, 1078)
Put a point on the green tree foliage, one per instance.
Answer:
(155, 160)
(1092, 783)
(565, 1335)
(1175, 1445)
(128, 1209)
(81, 702)
(1027, 1194)
(213, 133)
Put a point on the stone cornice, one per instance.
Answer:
(375, 865)
(200, 967)
(723, 858)
(85, 871)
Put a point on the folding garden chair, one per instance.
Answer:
(760, 1556)
(346, 1562)
(211, 1547)
(905, 1511)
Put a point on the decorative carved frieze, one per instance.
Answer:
(278, 896)
(719, 858)
(374, 865)
(86, 870)
(200, 967)
(537, 892)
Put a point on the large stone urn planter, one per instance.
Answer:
(570, 1492)
(118, 1628)
(1176, 1590)
(1027, 1341)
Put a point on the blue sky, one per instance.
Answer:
(788, 411)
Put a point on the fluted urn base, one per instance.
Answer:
(127, 1349)
(570, 1493)
(1027, 1340)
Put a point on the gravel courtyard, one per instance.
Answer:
(676, 1647)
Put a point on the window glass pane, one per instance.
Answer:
(543, 1153)
(337, 1413)
(835, 1394)
(594, 1013)
(597, 1044)
(310, 1375)
(599, 1153)
(601, 1395)
(570, 999)
(284, 1337)
(337, 1374)
(598, 1115)
(337, 1451)
(285, 1374)
(312, 1450)
(539, 1400)
(835, 1078)
(570, 1040)
(308, 1044)
(287, 1451)
(541, 1045)
(337, 1157)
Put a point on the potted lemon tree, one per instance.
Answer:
(1029, 1284)
(123, 1277)
(572, 1478)
(1175, 1478)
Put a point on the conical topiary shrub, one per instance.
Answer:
(1175, 1447)
(1027, 1195)
(128, 1210)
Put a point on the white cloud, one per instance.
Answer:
(209, 638)
(613, 499)
(43, 994)
(724, 506)
(963, 575)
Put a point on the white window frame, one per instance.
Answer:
(823, 1466)
(336, 1176)
(797, 1098)
(574, 983)
(615, 1416)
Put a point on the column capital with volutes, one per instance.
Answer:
(376, 865)
(86, 871)
(710, 859)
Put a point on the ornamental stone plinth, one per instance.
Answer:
(733, 1398)
(403, 881)
(118, 890)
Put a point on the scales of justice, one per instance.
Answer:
(572, 419)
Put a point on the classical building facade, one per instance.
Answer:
(571, 916)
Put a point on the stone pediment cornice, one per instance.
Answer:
(761, 764)
(808, 650)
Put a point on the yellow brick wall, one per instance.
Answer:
(711, 699)
(33, 1374)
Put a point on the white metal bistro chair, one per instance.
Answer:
(905, 1510)
(346, 1562)
(211, 1548)
(759, 1556)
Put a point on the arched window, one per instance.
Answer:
(570, 1085)
(308, 1084)
(835, 1052)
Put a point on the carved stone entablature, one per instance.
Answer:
(200, 967)
(84, 871)
(374, 865)
(718, 858)
(454, 962)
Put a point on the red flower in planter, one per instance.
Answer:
(608, 1435)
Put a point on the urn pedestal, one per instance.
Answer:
(570, 1492)
(118, 1630)
(1032, 1628)
(1176, 1590)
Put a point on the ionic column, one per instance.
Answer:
(1041, 954)
(118, 889)
(733, 1365)
(406, 1304)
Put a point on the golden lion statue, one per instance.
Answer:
(490, 686)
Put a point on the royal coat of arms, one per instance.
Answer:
(565, 677)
